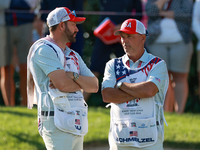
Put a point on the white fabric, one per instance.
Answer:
(169, 32)
(135, 132)
(31, 98)
(140, 28)
(56, 139)
(134, 123)
(56, 16)
(30, 55)
(70, 119)
(70, 109)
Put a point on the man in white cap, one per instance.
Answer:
(135, 86)
(56, 77)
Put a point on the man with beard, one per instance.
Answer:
(56, 77)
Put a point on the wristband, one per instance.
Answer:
(76, 76)
(119, 84)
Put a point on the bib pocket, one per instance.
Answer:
(135, 132)
(72, 120)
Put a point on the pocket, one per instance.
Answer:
(135, 132)
(72, 120)
(61, 102)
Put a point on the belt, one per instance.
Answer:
(157, 123)
(45, 113)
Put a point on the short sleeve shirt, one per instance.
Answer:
(45, 61)
(159, 75)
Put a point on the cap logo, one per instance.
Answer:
(131, 26)
(128, 25)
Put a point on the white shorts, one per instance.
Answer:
(55, 139)
(157, 146)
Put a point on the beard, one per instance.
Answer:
(70, 35)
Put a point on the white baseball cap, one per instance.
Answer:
(132, 26)
(62, 14)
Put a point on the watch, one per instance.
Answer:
(119, 84)
(76, 76)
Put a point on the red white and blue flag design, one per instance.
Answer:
(121, 71)
(133, 133)
(77, 121)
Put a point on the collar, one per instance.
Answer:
(67, 48)
(143, 58)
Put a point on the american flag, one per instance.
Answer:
(133, 133)
(157, 79)
(77, 121)
(120, 70)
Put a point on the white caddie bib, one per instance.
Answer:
(70, 109)
(133, 123)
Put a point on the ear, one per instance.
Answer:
(143, 38)
(62, 26)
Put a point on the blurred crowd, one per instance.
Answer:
(22, 22)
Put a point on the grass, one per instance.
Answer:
(183, 131)
(18, 129)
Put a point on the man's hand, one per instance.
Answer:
(51, 85)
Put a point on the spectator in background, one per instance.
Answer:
(174, 45)
(38, 26)
(196, 30)
(19, 37)
(4, 4)
(101, 52)
(72, 5)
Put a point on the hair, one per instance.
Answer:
(53, 28)
(66, 22)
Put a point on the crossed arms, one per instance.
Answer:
(64, 82)
(129, 91)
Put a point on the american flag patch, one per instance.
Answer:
(133, 133)
(77, 121)
(157, 79)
